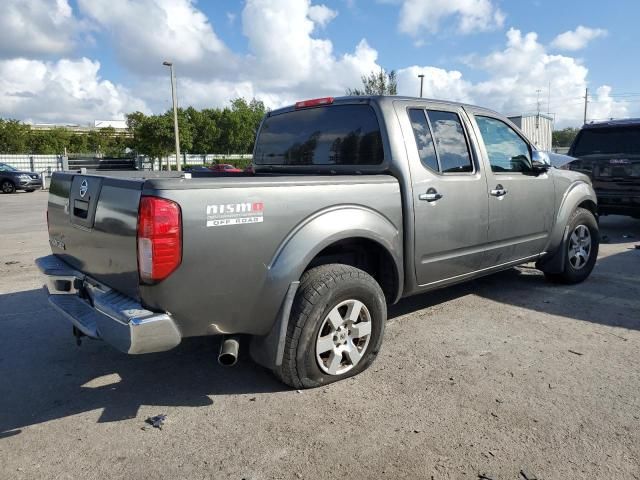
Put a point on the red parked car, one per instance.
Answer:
(224, 167)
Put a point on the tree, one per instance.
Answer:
(14, 136)
(49, 142)
(211, 130)
(564, 138)
(377, 83)
(205, 125)
(154, 135)
(239, 125)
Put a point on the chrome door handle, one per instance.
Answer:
(431, 196)
(499, 191)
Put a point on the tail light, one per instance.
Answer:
(314, 102)
(159, 238)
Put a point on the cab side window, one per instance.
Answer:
(424, 140)
(441, 142)
(451, 144)
(507, 151)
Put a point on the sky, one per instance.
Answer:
(76, 61)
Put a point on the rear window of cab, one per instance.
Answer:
(607, 140)
(330, 135)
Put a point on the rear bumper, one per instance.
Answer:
(100, 312)
(617, 203)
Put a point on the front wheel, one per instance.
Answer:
(581, 248)
(336, 326)
(7, 186)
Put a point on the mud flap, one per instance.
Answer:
(554, 262)
(268, 350)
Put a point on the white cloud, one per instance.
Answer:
(523, 67)
(289, 58)
(602, 106)
(62, 91)
(420, 17)
(512, 77)
(144, 33)
(577, 39)
(285, 55)
(321, 15)
(35, 27)
(438, 83)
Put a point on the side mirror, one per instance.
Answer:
(540, 162)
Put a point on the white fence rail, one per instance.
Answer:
(34, 163)
(52, 163)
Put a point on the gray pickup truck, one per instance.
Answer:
(354, 203)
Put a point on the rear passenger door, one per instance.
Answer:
(449, 192)
(521, 204)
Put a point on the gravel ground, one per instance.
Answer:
(508, 377)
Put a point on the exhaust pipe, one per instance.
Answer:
(228, 355)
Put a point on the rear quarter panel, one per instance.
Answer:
(233, 277)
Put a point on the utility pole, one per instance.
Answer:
(174, 96)
(538, 109)
(421, 77)
(586, 101)
(549, 98)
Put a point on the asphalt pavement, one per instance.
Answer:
(506, 377)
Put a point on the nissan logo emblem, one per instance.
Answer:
(84, 186)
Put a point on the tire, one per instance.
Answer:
(30, 190)
(7, 186)
(326, 296)
(584, 236)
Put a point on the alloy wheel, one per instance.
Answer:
(343, 337)
(579, 247)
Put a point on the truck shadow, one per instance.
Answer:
(45, 377)
(610, 296)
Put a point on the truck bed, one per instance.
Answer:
(234, 230)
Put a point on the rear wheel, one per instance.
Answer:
(336, 326)
(581, 248)
(7, 186)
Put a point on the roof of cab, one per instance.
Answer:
(624, 122)
(380, 99)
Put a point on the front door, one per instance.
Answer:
(449, 192)
(521, 204)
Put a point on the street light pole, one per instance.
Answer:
(174, 96)
(421, 77)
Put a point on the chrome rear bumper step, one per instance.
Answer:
(106, 314)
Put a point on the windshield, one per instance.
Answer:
(335, 135)
(6, 168)
(594, 141)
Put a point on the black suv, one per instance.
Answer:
(12, 179)
(609, 152)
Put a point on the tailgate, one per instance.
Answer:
(92, 227)
(614, 173)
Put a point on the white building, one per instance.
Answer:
(538, 128)
(117, 124)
